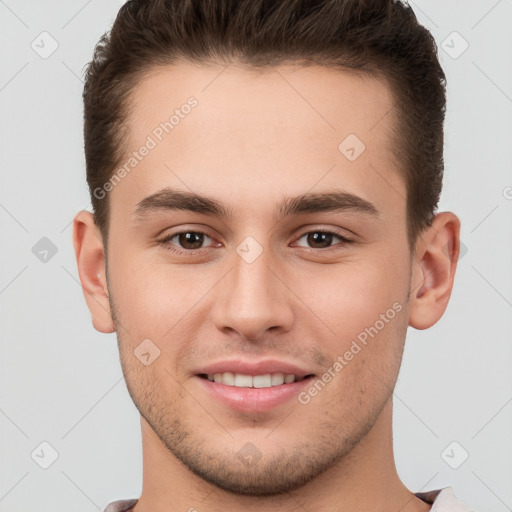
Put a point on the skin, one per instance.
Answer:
(252, 141)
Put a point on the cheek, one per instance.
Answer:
(369, 320)
(158, 301)
(363, 306)
(349, 298)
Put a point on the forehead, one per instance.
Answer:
(324, 101)
(261, 133)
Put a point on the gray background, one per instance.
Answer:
(61, 381)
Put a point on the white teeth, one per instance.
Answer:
(277, 379)
(248, 381)
(289, 378)
(243, 381)
(262, 381)
(228, 378)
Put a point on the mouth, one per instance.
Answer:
(241, 380)
(253, 393)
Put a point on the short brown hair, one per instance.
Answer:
(379, 37)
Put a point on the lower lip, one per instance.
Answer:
(254, 399)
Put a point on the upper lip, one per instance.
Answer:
(253, 367)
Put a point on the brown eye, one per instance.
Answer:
(319, 239)
(322, 239)
(185, 241)
(190, 239)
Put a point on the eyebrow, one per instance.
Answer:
(333, 201)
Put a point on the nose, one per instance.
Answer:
(253, 298)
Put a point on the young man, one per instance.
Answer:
(264, 177)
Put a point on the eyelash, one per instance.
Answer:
(165, 242)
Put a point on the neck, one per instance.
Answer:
(365, 479)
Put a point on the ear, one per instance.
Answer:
(90, 258)
(434, 264)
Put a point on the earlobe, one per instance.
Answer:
(90, 258)
(434, 265)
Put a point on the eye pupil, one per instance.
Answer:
(190, 237)
(315, 237)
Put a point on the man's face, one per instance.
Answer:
(258, 286)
